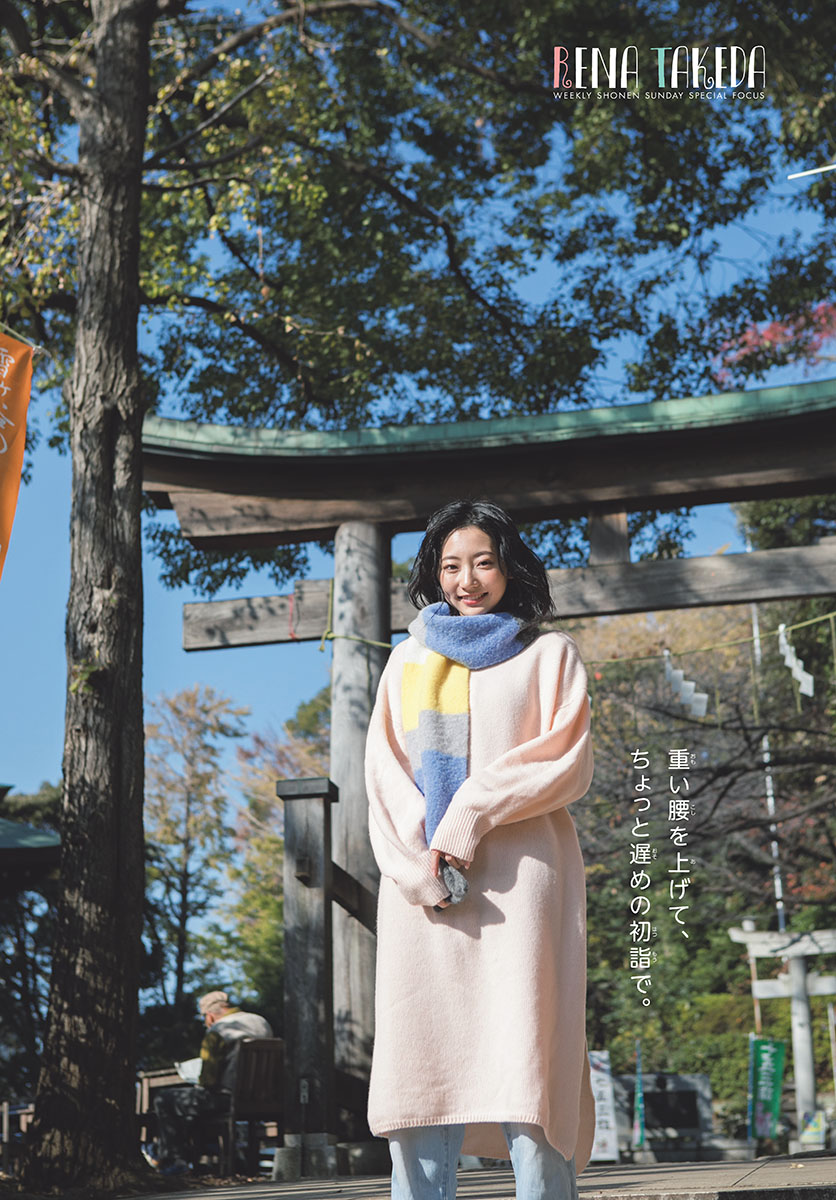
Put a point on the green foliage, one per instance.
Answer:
(244, 945)
(186, 824)
(26, 931)
(311, 723)
(653, 535)
(207, 571)
(41, 809)
(794, 521)
(357, 215)
(402, 570)
(168, 1033)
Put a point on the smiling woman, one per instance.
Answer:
(478, 743)
(473, 549)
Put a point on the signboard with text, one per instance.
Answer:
(605, 1146)
(767, 1081)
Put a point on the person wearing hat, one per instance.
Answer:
(179, 1109)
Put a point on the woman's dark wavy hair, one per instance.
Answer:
(527, 594)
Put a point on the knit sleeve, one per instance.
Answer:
(535, 777)
(396, 806)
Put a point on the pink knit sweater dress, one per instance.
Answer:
(480, 1006)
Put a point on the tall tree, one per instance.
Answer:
(84, 1125)
(186, 817)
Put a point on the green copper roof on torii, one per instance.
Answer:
(162, 435)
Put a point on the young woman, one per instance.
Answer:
(478, 742)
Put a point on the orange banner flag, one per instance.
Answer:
(15, 386)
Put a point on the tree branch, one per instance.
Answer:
(205, 181)
(49, 166)
(428, 214)
(38, 69)
(251, 33)
(13, 22)
(204, 163)
(262, 28)
(251, 331)
(438, 44)
(154, 161)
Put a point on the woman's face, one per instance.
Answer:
(470, 574)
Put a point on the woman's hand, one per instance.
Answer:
(461, 864)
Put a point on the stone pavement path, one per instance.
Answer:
(801, 1177)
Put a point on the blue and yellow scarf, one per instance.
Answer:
(435, 693)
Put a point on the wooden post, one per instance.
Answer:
(361, 615)
(308, 979)
(609, 541)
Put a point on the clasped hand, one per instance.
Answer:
(461, 864)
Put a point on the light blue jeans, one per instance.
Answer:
(424, 1162)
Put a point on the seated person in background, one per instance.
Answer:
(179, 1109)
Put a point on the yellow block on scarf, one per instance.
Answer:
(438, 684)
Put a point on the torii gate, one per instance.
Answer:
(235, 487)
(798, 985)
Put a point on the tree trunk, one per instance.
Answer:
(181, 945)
(84, 1131)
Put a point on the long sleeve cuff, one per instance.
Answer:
(417, 883)
(459, 833)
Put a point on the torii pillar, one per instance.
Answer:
(361, 615)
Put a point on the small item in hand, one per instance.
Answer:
(454, 881)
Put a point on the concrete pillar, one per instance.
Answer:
(362, 567)
(803, 1067)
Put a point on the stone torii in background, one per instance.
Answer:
(798, 986)
(235, 488)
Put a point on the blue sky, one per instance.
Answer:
(270, 680)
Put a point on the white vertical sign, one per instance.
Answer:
(605, 1146)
